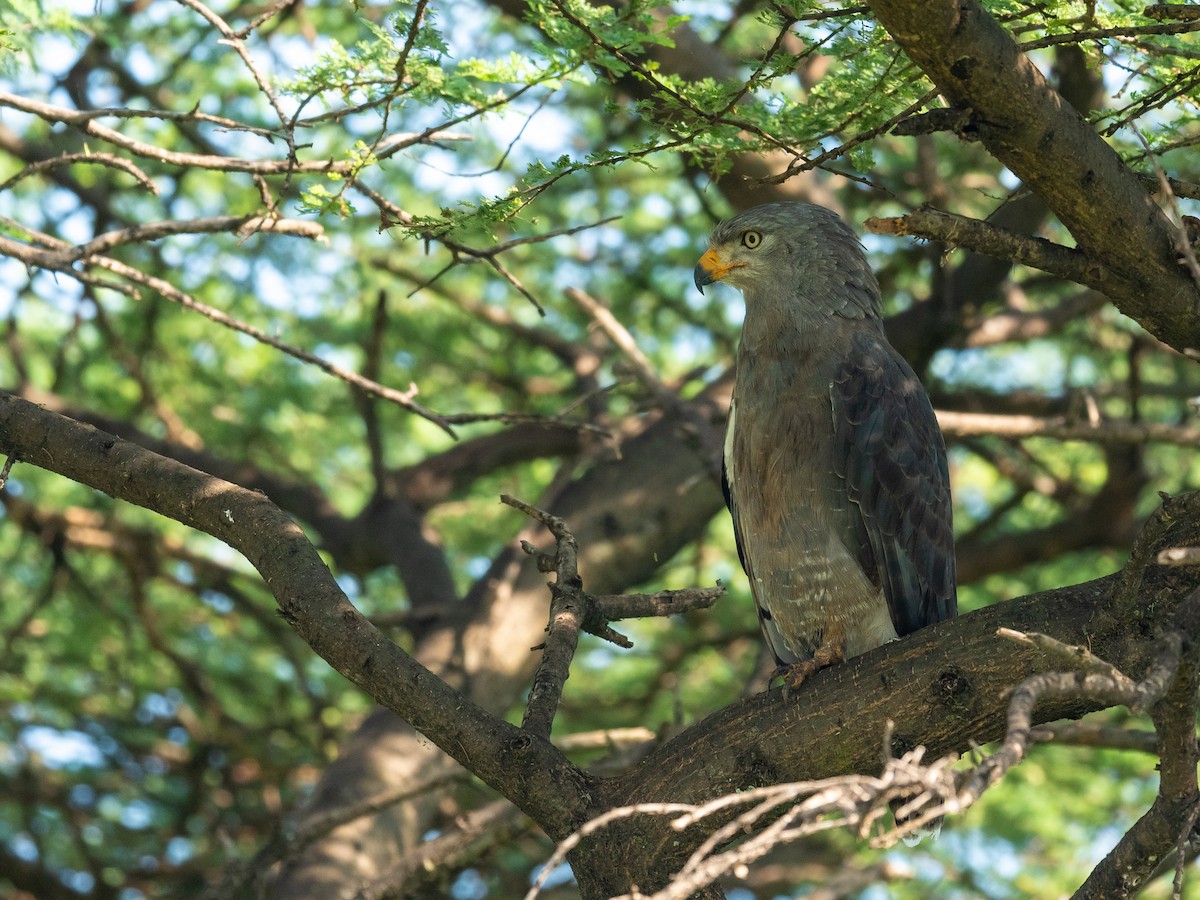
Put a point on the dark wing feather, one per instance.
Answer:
(891, 453)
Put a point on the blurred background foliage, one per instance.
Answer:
(158, 719)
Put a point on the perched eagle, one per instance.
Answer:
(835, 468)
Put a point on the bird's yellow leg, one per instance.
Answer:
(831, 651)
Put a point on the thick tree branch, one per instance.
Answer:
(1184, 12)
(920, 793)
(629, 514)
(309, 599)
(1028, 127)
(389, 530)
(945, 688)
(1170, 821)
(991, 240)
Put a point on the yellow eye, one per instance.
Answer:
(751, 239)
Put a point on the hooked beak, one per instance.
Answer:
(712, 268)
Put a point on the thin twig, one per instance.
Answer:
(292, 840)
(85, 122)
(1085, 734)
(233, 40)
(1186, 834)
(643, 370)
(1182, 242)
(92, 158)
(601, 821)
(497, 823)
(410, 40)
(1094, 685)
(153, 231)
(57, 260)
(661, 603)
(269, 13)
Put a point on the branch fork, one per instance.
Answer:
(572, 611)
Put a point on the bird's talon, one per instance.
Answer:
(795, 674)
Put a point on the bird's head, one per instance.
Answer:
(795, 253)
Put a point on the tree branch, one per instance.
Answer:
(1085, 734)
(573, 611)
(1026, 125)
(966, 424)
(567, 612)
(920, 793)
(1011, 325)
(708, 437)
(85, 121)
(58, 259)
(944, 688)
(530, 772)
(992, 240)
(1169, 822)
(1184, 12)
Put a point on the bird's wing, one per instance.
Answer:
(891, 453)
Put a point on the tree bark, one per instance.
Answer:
(1031, 129)
(943, 687)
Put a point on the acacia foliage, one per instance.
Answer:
(395, 191)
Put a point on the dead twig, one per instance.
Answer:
(1097, 681)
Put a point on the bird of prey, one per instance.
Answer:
(835, 468)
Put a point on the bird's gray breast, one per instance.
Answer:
(796, 525)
